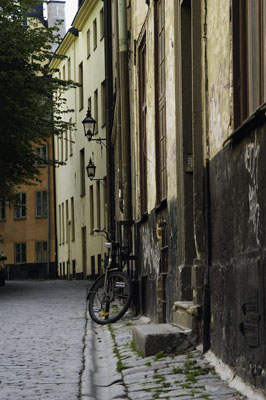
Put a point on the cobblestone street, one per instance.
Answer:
(42, 339)
(51, 350)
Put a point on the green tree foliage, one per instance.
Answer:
(29, 104)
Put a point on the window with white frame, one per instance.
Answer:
(41, 203)
(42, 155)
(20, 206)
(20, 253)
(41, 253)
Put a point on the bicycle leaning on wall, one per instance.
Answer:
(110, 295)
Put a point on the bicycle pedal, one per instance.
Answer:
(104, 314)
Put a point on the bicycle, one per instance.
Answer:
(110, 295)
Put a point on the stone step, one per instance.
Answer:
(150, 339)
(187, 315)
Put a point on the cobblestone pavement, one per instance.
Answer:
(122, 372)
(42, 328)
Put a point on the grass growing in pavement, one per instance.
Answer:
(119, 365)
(159, 355)
(148, 363)
(133, 347)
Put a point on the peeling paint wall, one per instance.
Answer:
(219, 37)
(149, 245)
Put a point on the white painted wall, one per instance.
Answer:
(68, 176)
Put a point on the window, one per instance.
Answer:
(63, 223)
(82, 173)
(58, 147)
(72, 219)
(95, 116)
(41, 254)
(249, 57)
(60, 224)
(94, 34)
(42, 155)
(20, 206)
(89, 103)
(69, 68)
(101, 23)
(67, 219)
(99, 259)
(64, 73)
(93, 266)
(161, 171)
(88, 43)
(66, 145)
(20, 253)
(41, 204)
(91, 209)
(2, 210)
(60, 77)
(81, 86)
(70, 139)
(62, 147)
(98, 200)
(142, 127)
(103, 102)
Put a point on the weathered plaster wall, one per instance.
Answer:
(219, 37)
(149, 243)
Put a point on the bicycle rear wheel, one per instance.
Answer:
(109, 306)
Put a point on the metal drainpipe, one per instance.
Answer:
(109, 115)
(207, 291)
(49, 217)
(125, 115)
(55, 210)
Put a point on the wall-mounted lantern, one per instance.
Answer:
(91, 169)
(89, 124)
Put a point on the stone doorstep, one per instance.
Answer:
(186, 314)
(152, 338)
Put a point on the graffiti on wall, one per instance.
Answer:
(251, 163)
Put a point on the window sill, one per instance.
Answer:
(143, 219)
(41, 216)
(20, 218)
(254, 120)
(162, 205)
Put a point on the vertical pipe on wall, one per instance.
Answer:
(48, 215)
(125, 114)
(207, 291)
(109, 114)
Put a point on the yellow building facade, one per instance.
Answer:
(27, 226)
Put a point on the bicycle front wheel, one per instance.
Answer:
(108, 304)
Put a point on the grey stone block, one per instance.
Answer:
(153, 338)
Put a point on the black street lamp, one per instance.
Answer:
(91, 169)
(89, 125)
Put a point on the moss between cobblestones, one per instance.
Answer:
(138, 352)
(119, 365)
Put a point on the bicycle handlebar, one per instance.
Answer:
(98, 230)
